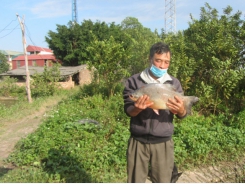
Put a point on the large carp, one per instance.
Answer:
(159, 95)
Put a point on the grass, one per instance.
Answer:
(23, 108)
(63, 139)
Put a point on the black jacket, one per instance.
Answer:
(147, 126)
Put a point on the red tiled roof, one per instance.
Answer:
(35, 57)
(31, 48)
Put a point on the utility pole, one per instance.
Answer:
(28, 90)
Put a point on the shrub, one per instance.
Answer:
(45, 84)
(8, 88)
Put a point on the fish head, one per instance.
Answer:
(135, 95)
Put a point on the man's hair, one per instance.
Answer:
(159, 48)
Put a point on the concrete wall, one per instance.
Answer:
(68, 84)
(85, 77)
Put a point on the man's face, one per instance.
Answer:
(161, 61)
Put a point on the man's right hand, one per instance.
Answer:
(141, 104)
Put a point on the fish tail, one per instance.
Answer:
(188, 103)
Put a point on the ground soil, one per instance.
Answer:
(12, 132)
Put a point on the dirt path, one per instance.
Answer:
(12, 132)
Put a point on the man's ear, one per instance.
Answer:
(150, 60)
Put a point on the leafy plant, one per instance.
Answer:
(4, 65)
(219, 63)
(45, 84)
(9, 88)
(110, 62)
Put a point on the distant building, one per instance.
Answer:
(71, 75)
(10, 55)
(38, 56)
(38, 50)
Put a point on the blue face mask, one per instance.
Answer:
(157, 72)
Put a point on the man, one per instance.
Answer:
(151, 134)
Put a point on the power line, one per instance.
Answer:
(29, 36)
(11, 31)
(7, 25)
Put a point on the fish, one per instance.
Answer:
(159, 95)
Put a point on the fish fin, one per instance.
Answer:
(156, 111)
(148, 102)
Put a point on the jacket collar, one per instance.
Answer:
(145, 75)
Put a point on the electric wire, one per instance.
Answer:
(29, 36)
(7, 25)
(28, 33)
(10, 31)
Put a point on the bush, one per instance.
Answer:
(9, 88)
(45, 84)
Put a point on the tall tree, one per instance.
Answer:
(110, 61)
(143, 38)
(217, 45)
(69, 43)
(182, 66)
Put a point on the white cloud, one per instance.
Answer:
(51, 8)
(116, 11)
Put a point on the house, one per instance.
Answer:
(71, 75)
(10, 55)
(38, 50)
(38, 56)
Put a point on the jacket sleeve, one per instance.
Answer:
(128, 89)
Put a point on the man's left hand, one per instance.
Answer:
(176, 106)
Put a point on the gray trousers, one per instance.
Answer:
(160, 158)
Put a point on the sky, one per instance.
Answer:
(42, 16)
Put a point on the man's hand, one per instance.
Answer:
(141, 104)
(176, 106)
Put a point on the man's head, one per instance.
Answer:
(159, 48)
(160, 59)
